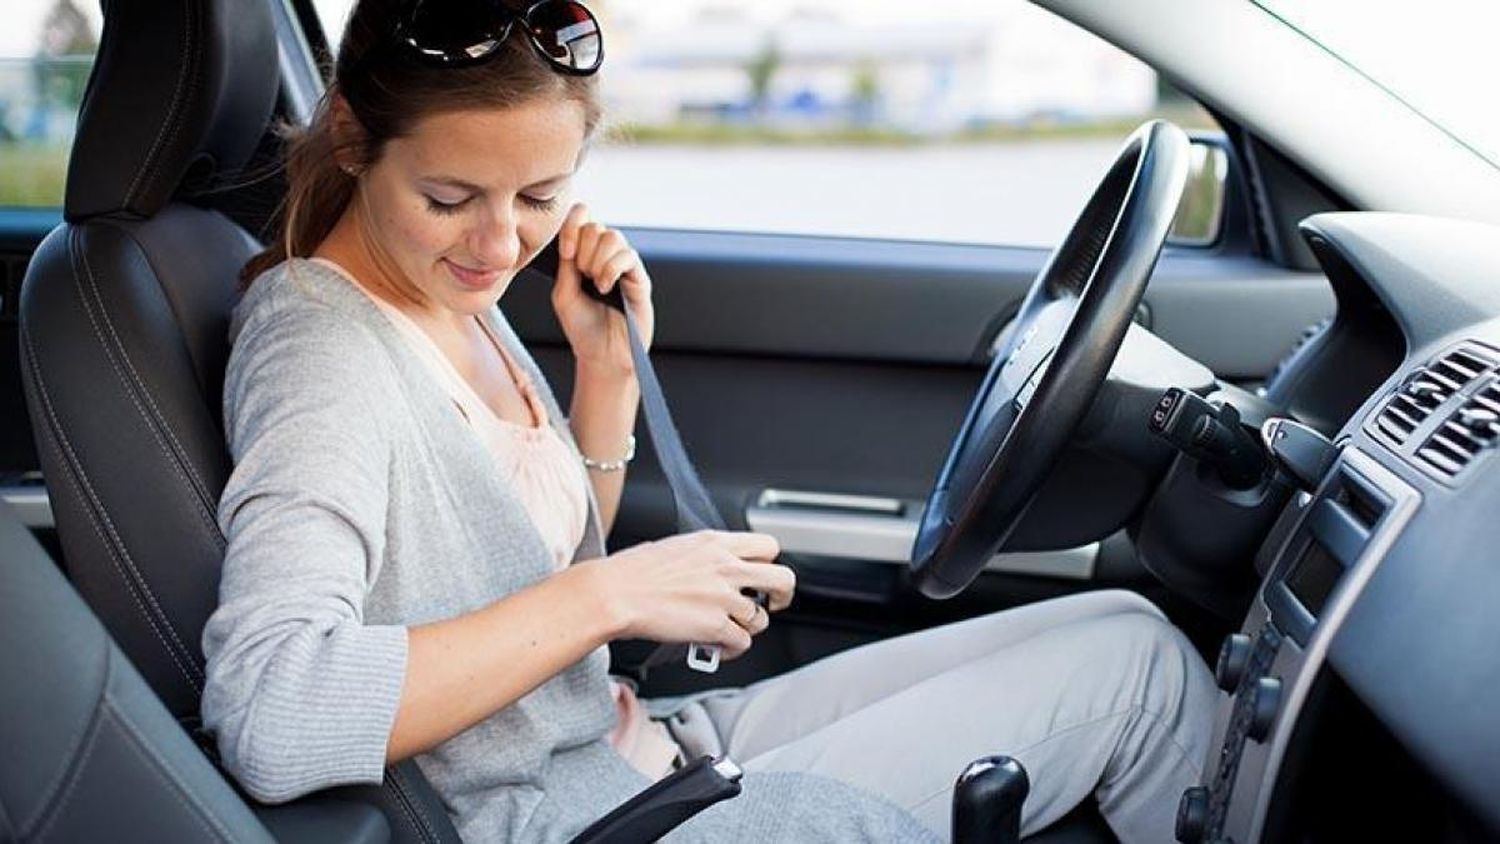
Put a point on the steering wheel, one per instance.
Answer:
(1046, 373)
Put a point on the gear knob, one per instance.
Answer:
(987, 801)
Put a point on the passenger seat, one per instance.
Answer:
(91, 754)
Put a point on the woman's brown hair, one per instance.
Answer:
(388, 94)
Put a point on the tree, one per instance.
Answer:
(762, 70)
(864, 93)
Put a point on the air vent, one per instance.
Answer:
(1425, 390)
(1464, 435)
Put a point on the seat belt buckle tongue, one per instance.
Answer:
(703, 658)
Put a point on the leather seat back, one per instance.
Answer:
(124, 338)
(124, 323)
(90, 753)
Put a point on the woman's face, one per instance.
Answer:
(465, 200)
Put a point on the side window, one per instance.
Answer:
(46, 50)
(980, 121)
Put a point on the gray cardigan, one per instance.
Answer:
(360, 504)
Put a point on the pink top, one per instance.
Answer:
(548, 477)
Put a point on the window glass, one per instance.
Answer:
(985, 121)
(46, 50)
(1438, 57)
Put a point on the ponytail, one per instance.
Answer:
(318, 191)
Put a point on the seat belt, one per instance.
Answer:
(695, 509)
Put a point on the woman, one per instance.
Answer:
(415, 564)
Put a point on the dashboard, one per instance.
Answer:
(1360, 692)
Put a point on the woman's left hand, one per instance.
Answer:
(591, 253)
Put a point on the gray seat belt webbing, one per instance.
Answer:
(695, 509)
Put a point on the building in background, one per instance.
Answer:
(820, 65)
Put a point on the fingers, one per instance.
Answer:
(566, 287)
(597, 251)
(747, 558)
(750, 616)
(733, 638)
(743, 544)
(610, 257)
(567, 237)
(591, 236)
(777, 582)
(609, 269)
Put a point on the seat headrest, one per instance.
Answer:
(181, 90)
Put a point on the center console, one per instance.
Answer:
(1322, 554)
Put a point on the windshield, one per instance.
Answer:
(1439, 56)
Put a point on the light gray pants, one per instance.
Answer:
(1094, 693)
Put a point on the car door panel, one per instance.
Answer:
(845, 367)
(828, 341)
(932, 303)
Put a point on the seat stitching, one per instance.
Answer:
(104, 344)
(115, 365)
(74, 476)
(402, 804)
(181, 463)
(161, 768)
(429, 831)
(398, 780)
(52, 807)
(130, 579)
(151, 161)
(417, 806)
(422, 811)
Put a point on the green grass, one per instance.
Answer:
(687, 133)
(32, 175)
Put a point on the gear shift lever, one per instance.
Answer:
(987, 801)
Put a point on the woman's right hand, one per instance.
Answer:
(686, 588)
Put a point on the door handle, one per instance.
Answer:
(882, 529)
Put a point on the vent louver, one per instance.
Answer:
(1464, 435)
(1426, 389)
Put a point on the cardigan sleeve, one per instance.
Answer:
(300, 693)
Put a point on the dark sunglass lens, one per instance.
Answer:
(454, 30)
(567, 33)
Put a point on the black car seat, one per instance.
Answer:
(91, 754)
(124, 321)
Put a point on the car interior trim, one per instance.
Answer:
(31, 504)
(882, 530)
(1404, 502)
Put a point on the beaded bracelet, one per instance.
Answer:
(612, 465)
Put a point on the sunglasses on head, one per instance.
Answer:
(454, 33)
